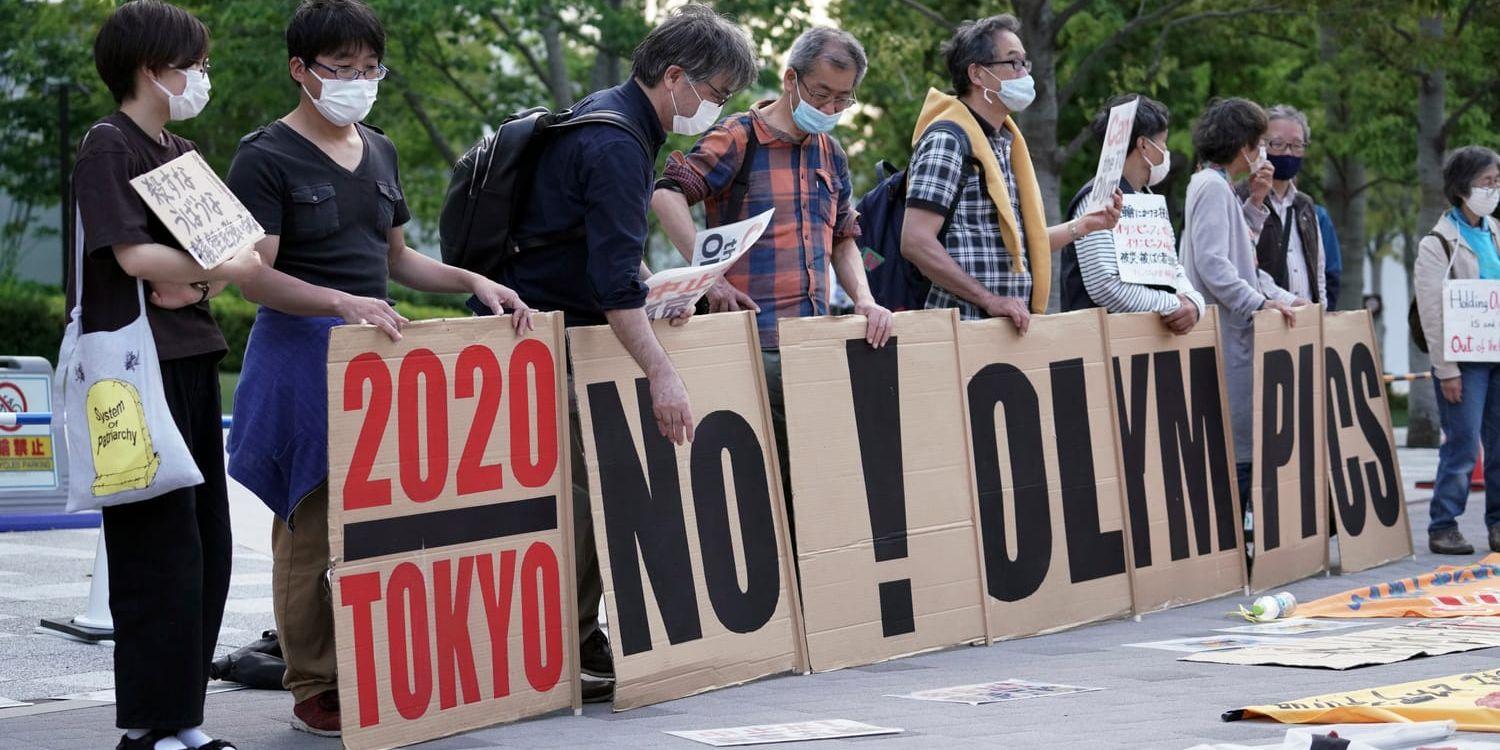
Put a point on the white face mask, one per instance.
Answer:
(1016, 94)
(345, 102)
(1160, 171)
(1482, 201)
(703, 119)
(192, 100)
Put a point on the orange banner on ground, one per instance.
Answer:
(1469, 699)
(1449, 591)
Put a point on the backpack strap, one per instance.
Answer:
(608, 117)
(967, 150)
(1447, 250)
(741, 185)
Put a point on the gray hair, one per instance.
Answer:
(836, 47)
(1288, 112)
(974, 42)
(703, 43)
(1462, 167)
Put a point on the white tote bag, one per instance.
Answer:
(123, 445)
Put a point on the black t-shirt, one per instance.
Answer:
(332, 222)
(116, 150)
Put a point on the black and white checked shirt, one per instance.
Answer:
(937, 177)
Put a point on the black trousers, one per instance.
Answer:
(169, 568)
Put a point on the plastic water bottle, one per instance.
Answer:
(1273, 607)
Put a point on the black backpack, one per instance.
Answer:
(484, 194)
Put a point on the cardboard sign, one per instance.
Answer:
(1050, 497)
(1471, 320)
(1449, 591)
(1182, 505)
(1469, 699)
(450, 528)
(204, 217)
(882, 488)
(1364, 477)
(1112, 155)
(676, 289)
(1288, 488)
(27, 460)
(692, 539)
(1145, 246)
(1367, 647)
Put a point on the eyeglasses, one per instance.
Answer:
(202, 66)
(1296, 148)
(1487, 182)
(719, 97)
(1016, 66)
(822, 97)
(351, 73)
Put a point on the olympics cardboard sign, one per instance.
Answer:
(450, 528)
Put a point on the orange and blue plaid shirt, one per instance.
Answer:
(806, 181)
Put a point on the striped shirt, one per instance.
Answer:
(1100, 269)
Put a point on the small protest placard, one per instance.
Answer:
(994, 692)
(1208, 643)
(209, 222)
(1471, 320)
(1367, 647)
(715, 250)
(1145, 246)
(1112, 155)
(765, 734)
(1291, 626)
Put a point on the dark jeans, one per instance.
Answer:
(771, 361)
(169, 568)
(1473, 421)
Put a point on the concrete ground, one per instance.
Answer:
(1149, 699)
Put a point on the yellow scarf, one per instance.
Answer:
(940, 106)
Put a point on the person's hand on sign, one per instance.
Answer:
(878, 323)
(370, 311)
(1299, 302)
(1009, 307)
(723, 297)
(1286, 310)
(1453, 389)
(499, 297)
(669, 402)
(1184, 318)
(1260, 182)
(1105, 218)
(681, 316)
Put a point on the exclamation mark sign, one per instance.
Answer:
(875, 383)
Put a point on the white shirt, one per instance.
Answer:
(1299, 278)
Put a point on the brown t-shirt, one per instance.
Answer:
(116, 150)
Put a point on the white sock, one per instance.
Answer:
(170, 743)
(136, 734)
(194, 737)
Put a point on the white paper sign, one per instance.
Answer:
(1145, 246)
(1471, 320)
(209, 222)
(1112, 155)
(994, 692)
(1292, 626)
(764, 734)
(1209, 643)
(715, 250)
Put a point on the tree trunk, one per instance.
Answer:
(1423, 430)
(557, 63)
(1039, 121)
(606, 71)
(1344, 193)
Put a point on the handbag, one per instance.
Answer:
(123, 445)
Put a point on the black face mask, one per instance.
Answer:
(1287, 166)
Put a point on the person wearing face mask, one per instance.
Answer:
(780, 154)
(974, 223)
(169, 556)
(1289, 246)
(1462, 245)
(1219, 256)
(1090, 271)
(327, 190)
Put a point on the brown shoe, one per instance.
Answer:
(318, 715)
(1450, 542)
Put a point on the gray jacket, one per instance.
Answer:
(1427, 281)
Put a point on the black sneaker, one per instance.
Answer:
(145, 742)
(1495, 538)
(1451, 542)
(594, 659)
(598, 691)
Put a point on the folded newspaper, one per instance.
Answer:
(714, 251)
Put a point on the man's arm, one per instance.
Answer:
(850, 270)
(669, 399)
(676, 219)
(159, 263)
(293, 296)
(1104, 219)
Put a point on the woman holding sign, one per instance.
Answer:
(1461, 246)
(169, 555)
(1096, 272)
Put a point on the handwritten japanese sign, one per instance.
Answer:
(714, 251)
(1112, 156)
(1468, 699)
(1471, 320)
(1145, 246)
(198, 208)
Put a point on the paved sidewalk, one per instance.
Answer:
(1150, 700)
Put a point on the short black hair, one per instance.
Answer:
(333, 27)
(1151, 118)
(702, 42)
(1226, 128)
(974, 42)
(150, 34)
(1461, 167)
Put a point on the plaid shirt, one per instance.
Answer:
(939, 176)
(806, 181)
